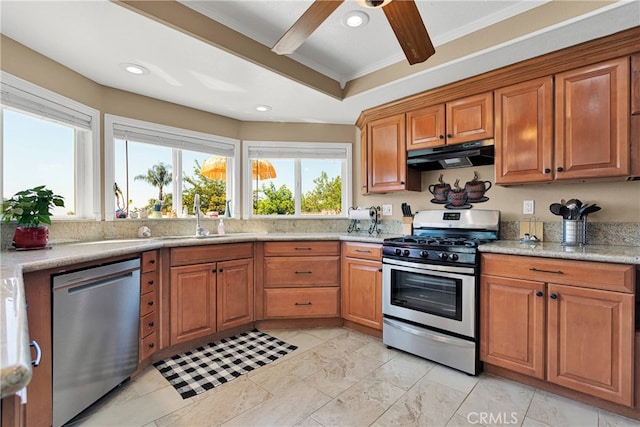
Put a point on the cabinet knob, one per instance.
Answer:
(441, 136)
(151, 345)
(151, 324)
(560, 169)
(220, 270)
(539, 293)
(547, 170)
(380, 270)
(152, 261)
(214, 270)
(449, 135)
(401, 182)
(553, 296)
(150, 303)
(150, 282)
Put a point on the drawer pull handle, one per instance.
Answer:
(150, 282)
(302, 249)
(539, 293)
(35, 345)
(151, 345)
(303, 303)
(152, 261)
(151, 324)
(304, 272)
(546, 271)
(150, 303)
(362, 251)
(553, 296)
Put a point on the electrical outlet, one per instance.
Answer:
(387, 210)
(528, 207)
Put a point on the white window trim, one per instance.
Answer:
(109, 159)
(87, 161)
(247, 180)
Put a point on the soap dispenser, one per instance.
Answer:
(221, 227)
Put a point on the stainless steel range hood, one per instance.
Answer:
(476, 153)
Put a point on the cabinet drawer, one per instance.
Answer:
(311, 302)
(301, 248)
(298, 272)
(588, 274)
(210, 253)
(148, 345)
(148, 282)
(148, 303)
(149, 261)
(149, 323)
(362, 250)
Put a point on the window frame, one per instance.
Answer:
(111, 120)
(293, 147)
(87, 156)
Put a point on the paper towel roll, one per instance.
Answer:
(360, 213)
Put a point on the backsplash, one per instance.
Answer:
(601, 233)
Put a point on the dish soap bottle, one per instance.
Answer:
(221, 227)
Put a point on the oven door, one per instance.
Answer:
(436, 296)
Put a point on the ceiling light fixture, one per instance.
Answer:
(355, 18)
(134, 69)
(263, 108)
(372, 4)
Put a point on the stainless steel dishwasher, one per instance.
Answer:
(96, 313)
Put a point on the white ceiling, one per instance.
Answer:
(94, 37)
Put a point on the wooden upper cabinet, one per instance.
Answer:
(470, 119)
(592, 121)
(524, 132)
(426, 127)
(364, 180)
(387, 157)
(463, 120)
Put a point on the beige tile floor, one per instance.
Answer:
(338, 377)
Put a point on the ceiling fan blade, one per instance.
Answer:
(311, 19)
(406, 22)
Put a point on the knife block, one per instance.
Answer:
(407, 225)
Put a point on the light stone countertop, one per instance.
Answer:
(599, 253)
(15, 365)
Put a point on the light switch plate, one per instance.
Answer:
(528, 207)
(387, 210)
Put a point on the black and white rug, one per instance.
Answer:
(204, 368)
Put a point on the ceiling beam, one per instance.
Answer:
(192, 23)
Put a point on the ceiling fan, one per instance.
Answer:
(403, 16)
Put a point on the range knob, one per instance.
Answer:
(453, 257)
(424, 254)
(398, 251)
(443, 256)
(406, 252)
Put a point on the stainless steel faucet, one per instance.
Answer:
(200, 231)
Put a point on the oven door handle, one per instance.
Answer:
(434, 337)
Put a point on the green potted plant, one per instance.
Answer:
(31, 208)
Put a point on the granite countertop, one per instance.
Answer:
(600, 253)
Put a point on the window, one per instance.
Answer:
(296, 179)
(50, 140)
(156, 170)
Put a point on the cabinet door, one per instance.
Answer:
(425, 127)
(193, 302)
(470, 119)
(387, 156)
(235, 293)
(635, 84)
(590, 341)
(592, 121)
(512, 324)
(362, 292)
(524, 132)
(364, 179)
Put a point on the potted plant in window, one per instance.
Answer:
(31, 208)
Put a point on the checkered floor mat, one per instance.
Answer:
(204, 368)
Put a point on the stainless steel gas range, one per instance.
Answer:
(430, 285)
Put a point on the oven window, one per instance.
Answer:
(440, 296)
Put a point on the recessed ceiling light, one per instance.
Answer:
(134, 69)
(355, 18)
(372, 4)
(263, 108)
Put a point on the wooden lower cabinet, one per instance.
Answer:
(578, 337)
(209, 297)
(512, 324)
(149, 305)
(362, 284)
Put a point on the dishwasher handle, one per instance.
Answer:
(93, 283)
